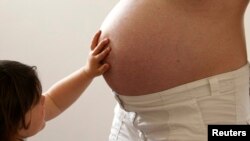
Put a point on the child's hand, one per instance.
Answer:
(99, 51)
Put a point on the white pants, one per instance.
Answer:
(183, 113)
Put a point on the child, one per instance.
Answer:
(23, 107)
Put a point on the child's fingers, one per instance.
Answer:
(104, 68)
(99, 48)
(95, 40)
(103, 54)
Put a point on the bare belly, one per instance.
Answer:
(156, 45)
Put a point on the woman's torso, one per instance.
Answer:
(160, 44)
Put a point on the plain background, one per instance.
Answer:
(55, 36)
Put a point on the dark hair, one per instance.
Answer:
(20, 89)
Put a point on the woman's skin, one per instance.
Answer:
(160, 44)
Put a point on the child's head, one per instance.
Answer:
(20, 101)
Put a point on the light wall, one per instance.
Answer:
(55, 36)
(247, 30)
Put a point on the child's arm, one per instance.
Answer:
(65, 92)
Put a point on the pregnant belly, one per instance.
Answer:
(155, 48)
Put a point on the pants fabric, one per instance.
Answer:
(182, 113)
